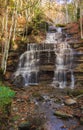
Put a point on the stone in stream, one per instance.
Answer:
(70, 101)
(63, 114)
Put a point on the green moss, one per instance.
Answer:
(16, 117)
(60, 25)
(77, 92)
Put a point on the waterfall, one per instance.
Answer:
(54, 49)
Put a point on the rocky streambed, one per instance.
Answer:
(44, 108)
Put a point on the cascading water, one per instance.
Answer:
(28, 67)
(63, 66)
(50, 38)
(63, 61)
(30, 62)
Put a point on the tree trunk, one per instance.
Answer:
(66, 9)
(81, 22)
(7, 44)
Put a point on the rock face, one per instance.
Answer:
(73, 37)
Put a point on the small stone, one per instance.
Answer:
(15, 109)
(18, 100)
(23, 119)
(62, 104)
(70, 101)
(46, 98)
(16, 122)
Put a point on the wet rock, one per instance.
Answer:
(63, 114)
(70, 101)
(46, 98)
(81, 120)
(18, 80)
(24, 126)
(52, 28)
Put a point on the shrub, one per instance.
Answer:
(6, 95)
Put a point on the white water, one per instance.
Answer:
(50, 38)
(63, 64)
(28, 67)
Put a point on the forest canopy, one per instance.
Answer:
(23, 16)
